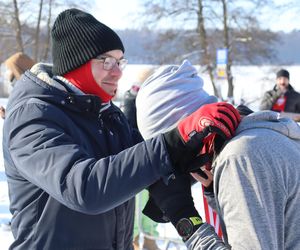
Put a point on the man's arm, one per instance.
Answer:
(269, 99)
(206, 238)
(47, 155)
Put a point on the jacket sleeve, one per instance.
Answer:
(297, 109)
(45, 154)
(206, 238)
(269, 99)
(129, 222)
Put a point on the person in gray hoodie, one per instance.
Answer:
(255, 178)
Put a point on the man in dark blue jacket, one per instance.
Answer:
(72, 161)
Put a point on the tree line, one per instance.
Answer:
(25, 26)
(203, 26)
(199, 28)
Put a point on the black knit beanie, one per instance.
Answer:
(78, 37)
(283, 73)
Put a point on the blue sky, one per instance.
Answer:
(120, 14)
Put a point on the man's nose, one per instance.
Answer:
(116, 69)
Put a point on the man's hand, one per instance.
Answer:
(185, 142)
(205, 181)
(175, 203)
(221, 118)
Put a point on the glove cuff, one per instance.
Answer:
(177, 148)
(185, 212)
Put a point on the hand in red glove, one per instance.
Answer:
(185, 142)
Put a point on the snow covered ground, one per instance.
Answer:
(250, 84)
(5, 234)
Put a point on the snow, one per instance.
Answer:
(250, 83)
(5, 234)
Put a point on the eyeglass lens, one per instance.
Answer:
(110, 62)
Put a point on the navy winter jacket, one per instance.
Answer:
(71, 168)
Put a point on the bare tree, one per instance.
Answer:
(232, 25)
(207, 56)
(227, 45)
(25, 27)
(238, 27)
(17, 25)
(48, 27)
(37, 32)
(192, 42)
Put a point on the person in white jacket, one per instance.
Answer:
(256, 176)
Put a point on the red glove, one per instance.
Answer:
(185, 142)
(221, 118)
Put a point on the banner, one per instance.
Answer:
(222, 55)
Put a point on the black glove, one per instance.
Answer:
(174, 200)
(186, 140)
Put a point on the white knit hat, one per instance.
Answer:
(170, 94)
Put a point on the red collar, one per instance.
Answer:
(83, 79)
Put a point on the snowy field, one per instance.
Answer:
(250, 84)
(5, 234)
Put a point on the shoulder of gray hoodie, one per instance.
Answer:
(257, 187)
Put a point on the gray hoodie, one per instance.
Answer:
(257, 187)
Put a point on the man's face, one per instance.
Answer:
(107, 79)
(282, 83)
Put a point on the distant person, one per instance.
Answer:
(13, 68)
(283, 97)
(2, 112)
(73, 162)
(17, 64)
(128, 105)
(256, 173)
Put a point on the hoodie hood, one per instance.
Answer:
(270, 120)
(169, 95)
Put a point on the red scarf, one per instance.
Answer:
(83, 79)
(279, 105)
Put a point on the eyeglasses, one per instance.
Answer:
(110, 62)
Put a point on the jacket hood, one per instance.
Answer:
(172, 93)
(36, 83)
(270, 120)
(39, 84)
